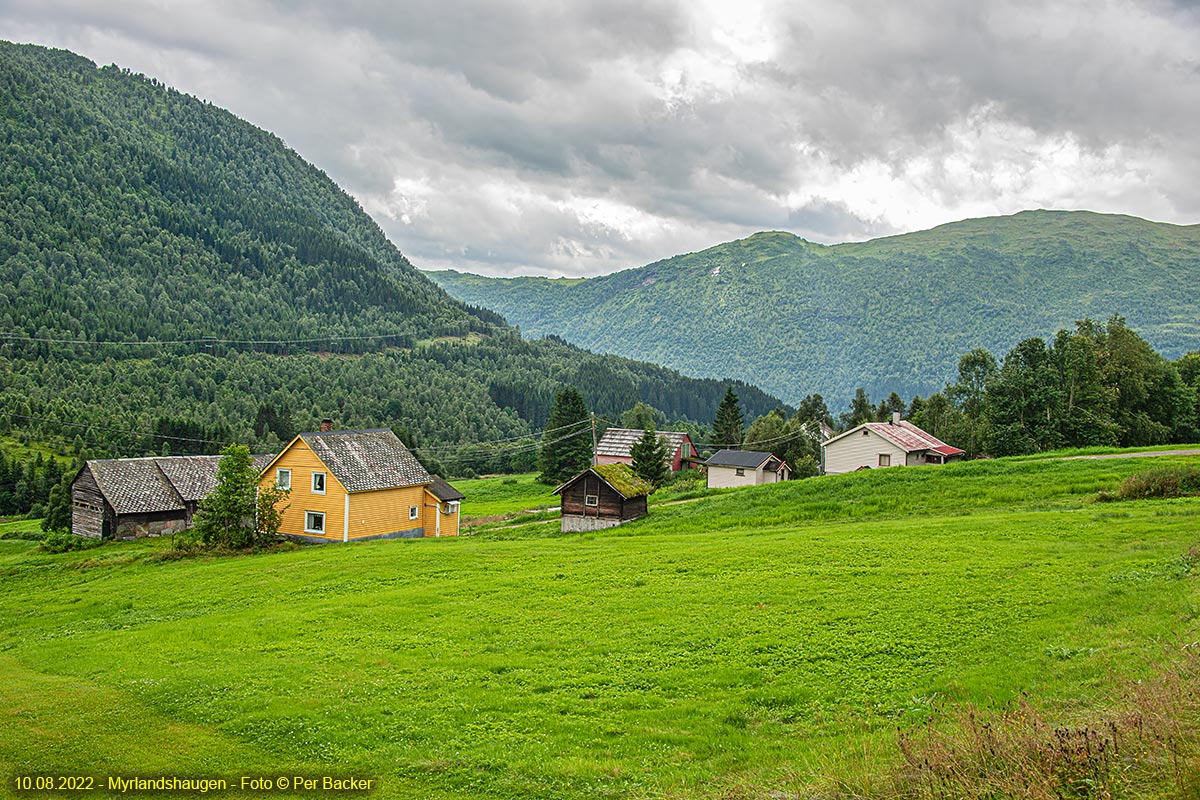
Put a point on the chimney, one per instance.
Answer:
(895, 417)
(326, 425)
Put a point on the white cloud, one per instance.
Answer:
(579, 138)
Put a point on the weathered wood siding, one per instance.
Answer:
(88, 506)
(573, 497)
(861, 449)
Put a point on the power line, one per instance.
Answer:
(90, 426)
(11, 336)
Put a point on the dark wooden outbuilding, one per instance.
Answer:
(601, 497)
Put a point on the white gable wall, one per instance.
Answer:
(856, 450)
(727, 477)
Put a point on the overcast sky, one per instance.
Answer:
(578, 138)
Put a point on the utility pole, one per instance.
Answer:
(593, 438)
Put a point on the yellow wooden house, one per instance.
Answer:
(354, 485)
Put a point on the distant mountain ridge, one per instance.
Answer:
(890, 314)
(172, 276)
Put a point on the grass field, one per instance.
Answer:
(735, 646)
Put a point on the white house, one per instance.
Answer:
(897, 443)
(727, 468)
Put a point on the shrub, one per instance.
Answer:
(66, 542)
(1160, 482)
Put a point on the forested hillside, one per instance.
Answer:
(259, 295)
(889, 315)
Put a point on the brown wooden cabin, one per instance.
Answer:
(126, 498)
(602, 496)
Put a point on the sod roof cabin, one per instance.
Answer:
(126, 498)
(601, 497)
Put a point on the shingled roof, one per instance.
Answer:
(156, 484)
(618, 442)
(746, 459)
(444, 491)
(367, 460)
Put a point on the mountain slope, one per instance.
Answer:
(892, 314)
(257, 289)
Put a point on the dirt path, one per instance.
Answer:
(1140, 454)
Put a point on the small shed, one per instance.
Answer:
(602, 496)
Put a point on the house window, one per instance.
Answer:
(414, 512)
(314, 522)
(885, 460)
(741, 471)
(866, 433)
(591, 500)
(450, 508)
(283, 479)
(318, 484)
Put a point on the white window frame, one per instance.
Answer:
(279, 474)
(310, 515)
(324, 482)
(414, 512)
(450, 507)
(591, 500)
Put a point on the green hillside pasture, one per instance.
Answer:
(733, 646)
(504, 494)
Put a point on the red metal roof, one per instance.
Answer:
(911, 438)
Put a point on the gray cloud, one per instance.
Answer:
(579, 138)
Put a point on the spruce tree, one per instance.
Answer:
(728, 425)
(567, 443)
(650, 457)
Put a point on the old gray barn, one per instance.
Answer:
(125, 498)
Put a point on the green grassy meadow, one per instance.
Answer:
(736, 646)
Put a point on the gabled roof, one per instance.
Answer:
(194, 477)
(444, 491)
(618, 442)
(904, 435)
(157, 484)
(366, 460)
(745, 459)
(619, 476)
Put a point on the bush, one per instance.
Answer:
(1160, 482)
(66, 542)
(26, 536)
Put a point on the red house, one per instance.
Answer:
(616, 444)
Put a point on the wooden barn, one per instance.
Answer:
(125, 498)
(601, 497)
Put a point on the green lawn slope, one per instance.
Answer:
(734, 646)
